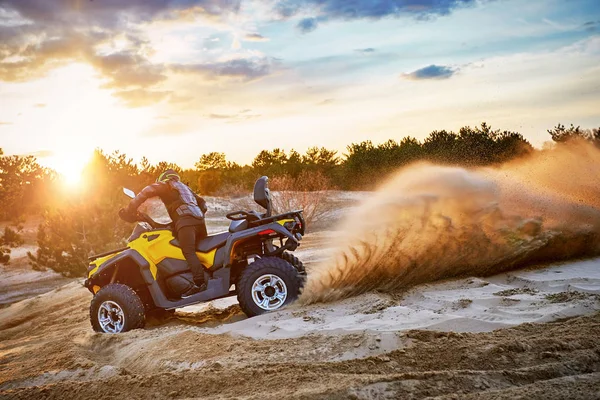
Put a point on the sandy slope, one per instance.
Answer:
(18, 281)
(464, 305)
(531, 333)
(365, 347)
(51, 353)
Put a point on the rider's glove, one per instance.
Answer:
(127, 216)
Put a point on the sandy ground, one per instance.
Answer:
(439, 340)
(464, 305)
(48, 351)
(18, 281)
(531, 333)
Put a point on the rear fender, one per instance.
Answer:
(272, 230)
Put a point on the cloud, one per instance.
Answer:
(431, 72)
(365, 51)
(127, 69)
(214, 41)
(111, 13)
(220, 116)
(325, 102)
(307, 25)
(364, 9)
(591, 25)
(245, 69)
(28, 53)
(232, 118)
(141, 97)
(255, 37)
(39, 35)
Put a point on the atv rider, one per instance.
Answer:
(186, 210)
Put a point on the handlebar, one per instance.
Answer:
(143, 217)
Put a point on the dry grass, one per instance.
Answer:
(234, 190)
(307, 192)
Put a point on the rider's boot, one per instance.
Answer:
(199, 286)
(193, 290)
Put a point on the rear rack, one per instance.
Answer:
(274, 218)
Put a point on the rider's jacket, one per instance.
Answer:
(181, 202)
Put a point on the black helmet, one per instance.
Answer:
(168, 174)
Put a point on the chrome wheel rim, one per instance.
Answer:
(111, 317)
(269, 292)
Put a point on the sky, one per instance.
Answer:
(174, 79)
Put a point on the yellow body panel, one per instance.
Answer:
(283, 221)
(157, 250)
(93, 271)
(98, 262)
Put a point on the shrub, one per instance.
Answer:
(10, 239)
(308, 192)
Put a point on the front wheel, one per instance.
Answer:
(117, 308)
(267, 285)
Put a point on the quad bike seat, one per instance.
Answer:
(238, 225)
(212, 242)
(208, 243)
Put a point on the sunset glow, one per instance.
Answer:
(173, 80)
(69, 165)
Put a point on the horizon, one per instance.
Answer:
(155, 78)
(341, 153)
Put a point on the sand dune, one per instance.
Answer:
(464, 305)
(324, 350)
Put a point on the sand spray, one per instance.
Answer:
(431, 222)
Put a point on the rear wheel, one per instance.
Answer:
(116, 308)
(267, 285)
(295, 261)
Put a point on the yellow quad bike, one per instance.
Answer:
(253, 260)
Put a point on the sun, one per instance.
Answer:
(69, 166)
(72, 176)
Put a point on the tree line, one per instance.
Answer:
(79, 223)
(363, 164)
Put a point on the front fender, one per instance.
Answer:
(102, 268)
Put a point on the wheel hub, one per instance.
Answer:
(111, 317)
(269, 292)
